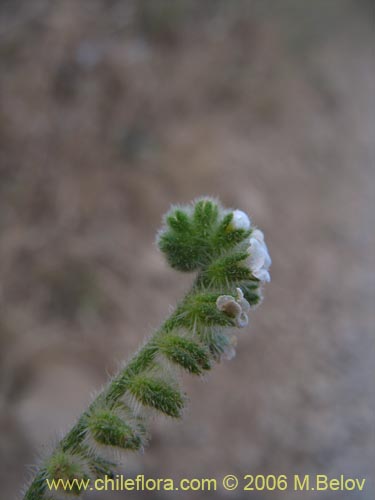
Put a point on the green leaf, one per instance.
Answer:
(158, 394)
(200, 309)
(179, 221)
(109, 429)
(226, 271)
(206, 213)
(251, 292)
(186, 353)
(67, 466)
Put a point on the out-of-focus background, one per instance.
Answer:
(110, 111)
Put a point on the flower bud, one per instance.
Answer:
(235, 307)
(240, 220)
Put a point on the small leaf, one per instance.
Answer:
(227, 270)
(67, 466)
(202, 310)
(179, 221)
(186, 353)
(251, 292)
(109, 429)
(182, 250)
(216, 343)
(158, 394)
(206, 213)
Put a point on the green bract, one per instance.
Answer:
(193, 236)
(218, 245)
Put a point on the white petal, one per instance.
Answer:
(262, 275)
(241, 220)
(242, 320)
(230, 349)
(245, 306)
(258, 235)
(257, 255)
(229, 352)
(267, 260)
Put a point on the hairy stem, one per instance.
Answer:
(215, 243)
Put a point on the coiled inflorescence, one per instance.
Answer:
(232, 261)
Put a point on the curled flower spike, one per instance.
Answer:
(235, 307)
(212, 241)
(259, 259)
(241, 220)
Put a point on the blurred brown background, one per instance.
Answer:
(110, 111)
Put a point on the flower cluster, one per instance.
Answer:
(257, 263)
(259, 260)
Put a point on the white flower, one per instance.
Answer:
(229, 351)
(236, 307)
(259, 259)
(240, 220)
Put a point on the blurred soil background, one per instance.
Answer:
(110, 111)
